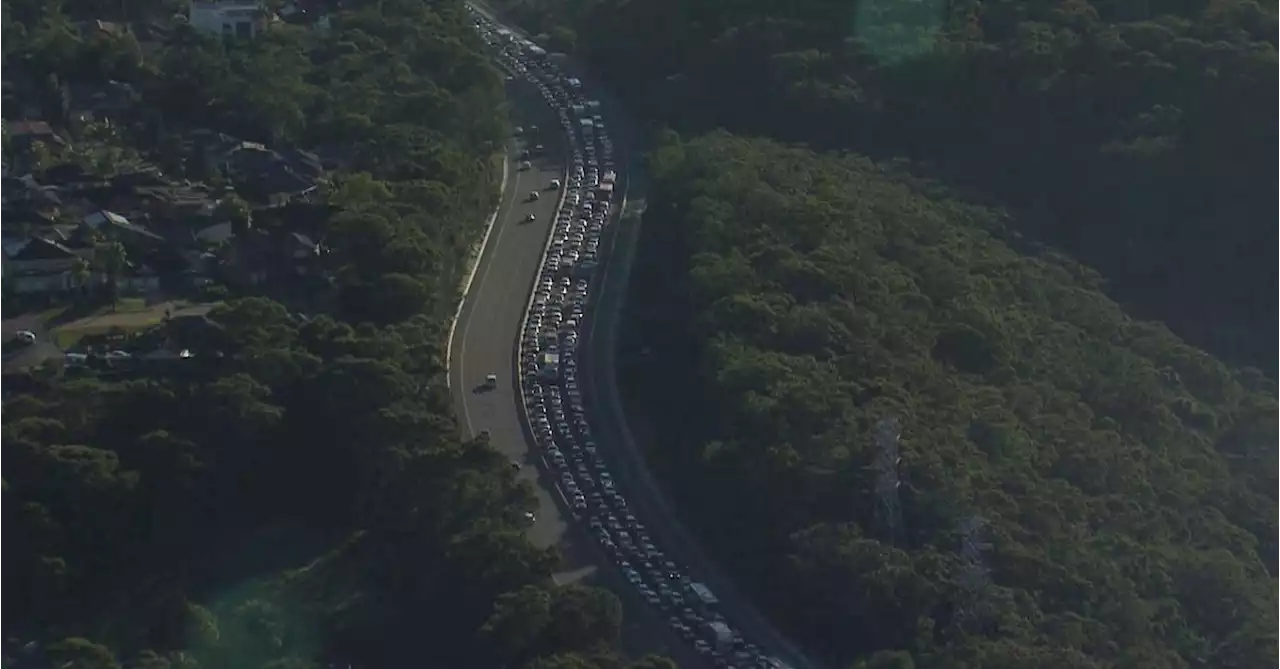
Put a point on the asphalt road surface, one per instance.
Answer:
(607, 415)
(485, 337)
(484, 342)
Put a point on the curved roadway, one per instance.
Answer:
(488, 329)
(488, 325)
(600, 385)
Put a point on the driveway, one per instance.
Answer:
(30, 356)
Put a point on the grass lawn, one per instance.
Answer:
(130, 315)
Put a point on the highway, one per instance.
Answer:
(488, 325)
(485, 339)
(600, 385)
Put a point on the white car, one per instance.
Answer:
(491, 380)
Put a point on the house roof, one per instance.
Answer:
(29, 128)
(102, 217)
(65, 172)
(139, 270)
(13, 245)
(268, 172)
(43, 249)
(281, 179)
(97, 218)
(17, 215)
(305, 163)
(143, 177)
(103, 97)
(96, 25)
(302, 240)
(27, 189)
(216, 234)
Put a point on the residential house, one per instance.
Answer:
(250, 259)
(260, 256)
(271, 177)
(218, 233)
(43, 266)
(199, 267)
(25, 193)
(143, 197)
(102, 101)
(185, 202)
(204, 150)
(22, 223)
(97, 195)
(302, 252)
(147, 176)
(65, 173)
(229, 18)
(137, 279)
(112, 225)
(302, 13)
(23, 134)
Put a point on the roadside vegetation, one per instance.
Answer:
(785, 304)
(291, 491)
(1038, 238)
(1137, 138)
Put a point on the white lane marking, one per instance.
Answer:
(477, 290)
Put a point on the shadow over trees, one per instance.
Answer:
(784, 303)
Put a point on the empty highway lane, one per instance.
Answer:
(485, 337)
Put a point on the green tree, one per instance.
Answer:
(888, 659)
(78, 653)
(81, 273)
(234, 210)
(518, 622)
(562, 39)
(111, 259)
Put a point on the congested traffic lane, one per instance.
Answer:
(599, 388)
(605, 402)
(489, 322)
(579, 460)
(643, 632)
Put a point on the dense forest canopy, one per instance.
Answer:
(1138, 137)
(785, 305)
(788, 305)
(295, 495)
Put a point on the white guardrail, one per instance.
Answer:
(474, 260)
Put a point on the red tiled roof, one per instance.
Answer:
(29, 128)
